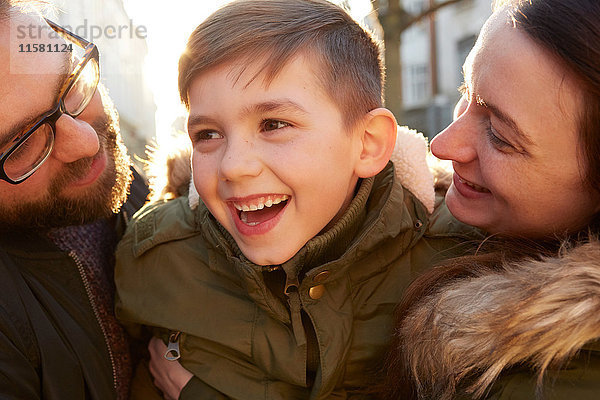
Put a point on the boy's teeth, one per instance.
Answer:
(261, 203)
(280, 199)
(244, 218)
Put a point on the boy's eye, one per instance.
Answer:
(272, 124)
(206, 135)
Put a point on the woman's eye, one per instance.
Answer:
(273, 124)
(496, 140)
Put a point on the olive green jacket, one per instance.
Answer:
(314, 327)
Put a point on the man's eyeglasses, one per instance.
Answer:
(27, 151)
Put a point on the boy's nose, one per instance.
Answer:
(74, 139)
(456, 142)
(240, 159)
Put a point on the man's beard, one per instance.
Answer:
(103, 198)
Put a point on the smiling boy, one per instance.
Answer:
(283, 279)
(277, 160)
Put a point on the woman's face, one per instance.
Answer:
(514, 142)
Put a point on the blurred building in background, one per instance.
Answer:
(432, 53)
(123, 50)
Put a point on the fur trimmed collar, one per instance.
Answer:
(410, 160)
(535, 312)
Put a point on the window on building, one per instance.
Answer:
(416, 85)
(414, 6)
(465, 5)
(463, 47)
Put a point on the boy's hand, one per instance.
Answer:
(169, 376)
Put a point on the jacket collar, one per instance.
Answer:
(379, 210)
(319, 250)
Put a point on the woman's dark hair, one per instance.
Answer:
(569, 29)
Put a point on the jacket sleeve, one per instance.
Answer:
(196, 389)
(579, 379)
(18, 376)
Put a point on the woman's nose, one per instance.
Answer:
(458, 141)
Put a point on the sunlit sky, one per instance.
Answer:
(168, 26)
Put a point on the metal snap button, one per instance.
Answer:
(321, 276)
(316, 292)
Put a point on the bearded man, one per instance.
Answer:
(64, 179)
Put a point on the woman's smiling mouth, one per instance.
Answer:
(469, 189)
(473, 186)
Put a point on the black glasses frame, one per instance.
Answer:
(50, 118)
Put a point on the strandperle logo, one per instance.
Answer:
(88, 31)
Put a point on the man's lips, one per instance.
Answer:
(95, 170)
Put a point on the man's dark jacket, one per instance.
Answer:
(52, 345)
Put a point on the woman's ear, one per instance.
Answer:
(378, 140)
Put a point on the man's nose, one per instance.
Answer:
(74, 139)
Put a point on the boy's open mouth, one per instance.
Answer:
(261, 210)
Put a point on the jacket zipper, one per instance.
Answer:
(88, 291)
(299, 328)
(172, 352)
(291, 291)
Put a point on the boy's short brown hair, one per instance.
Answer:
(346, 55)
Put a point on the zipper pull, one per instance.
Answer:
(291, 291)
(172, 352)
(291, 284)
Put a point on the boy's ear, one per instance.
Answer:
(378, 141)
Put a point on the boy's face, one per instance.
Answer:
(279, 149)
